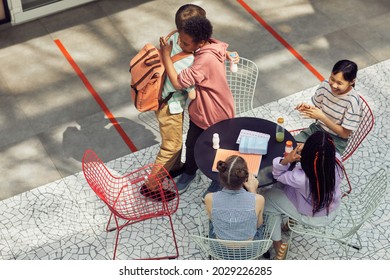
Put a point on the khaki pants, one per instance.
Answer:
(171, 131)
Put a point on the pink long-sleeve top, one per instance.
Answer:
(214, 100)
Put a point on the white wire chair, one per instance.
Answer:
(242, 84)
(354, 212)
(149, 118)
(232, 250)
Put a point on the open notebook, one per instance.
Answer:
(252, 160)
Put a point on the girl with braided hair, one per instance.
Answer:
(235, 212)
(310, 192)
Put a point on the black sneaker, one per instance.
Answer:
(267, 255)
(184, 182)
(156, 195)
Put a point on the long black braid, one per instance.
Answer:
(318, 161)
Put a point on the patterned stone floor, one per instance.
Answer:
(66, 220)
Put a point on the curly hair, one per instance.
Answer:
(233, 172)
(198, 28)
(187, 11)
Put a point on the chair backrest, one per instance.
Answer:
(149, 118)
(358, 208)
(234, 250)
(363, 204)
(122, 193)
(365, 126)
(242, 84)
(346, 187)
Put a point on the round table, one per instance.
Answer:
(228, 131)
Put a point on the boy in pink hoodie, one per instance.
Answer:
(214, 100)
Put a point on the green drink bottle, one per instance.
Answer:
(280, 130)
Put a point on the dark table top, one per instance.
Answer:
(228, 131)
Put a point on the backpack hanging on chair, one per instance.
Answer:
(147, 78)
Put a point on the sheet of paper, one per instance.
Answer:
(253, 161)
(245, 132)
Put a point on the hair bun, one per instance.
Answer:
(242, 173)
(221, 166)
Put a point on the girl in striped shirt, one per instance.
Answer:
(337, 106)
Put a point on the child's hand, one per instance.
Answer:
(313, 113)
(165, 47)
(299, 148)
(302, 107)
(252, 184)
(233, 57)
(192, 94)
(295, 155)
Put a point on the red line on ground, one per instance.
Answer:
(281, 40)
(95, 95)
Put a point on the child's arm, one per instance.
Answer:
(260, 202)
(166, 50)
(208, 201)
(317, 114)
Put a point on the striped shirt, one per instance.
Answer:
(344, 110)
(233, 214)
(178, 100)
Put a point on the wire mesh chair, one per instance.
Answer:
(365, 126)
(122, 194)
(242, 84)
(346, 187)
(354, 212)
(232, 250)
(149, 118)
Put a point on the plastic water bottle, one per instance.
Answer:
(288, 148)
(280, 130)
(233, 66)
(216, 141)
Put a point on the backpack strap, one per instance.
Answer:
(170, 34)
(163, 102)
(179, 56)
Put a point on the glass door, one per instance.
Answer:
(32, 4)
(25, 10)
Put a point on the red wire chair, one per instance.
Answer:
(122, 194)
(365, 126)
(349, 190)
